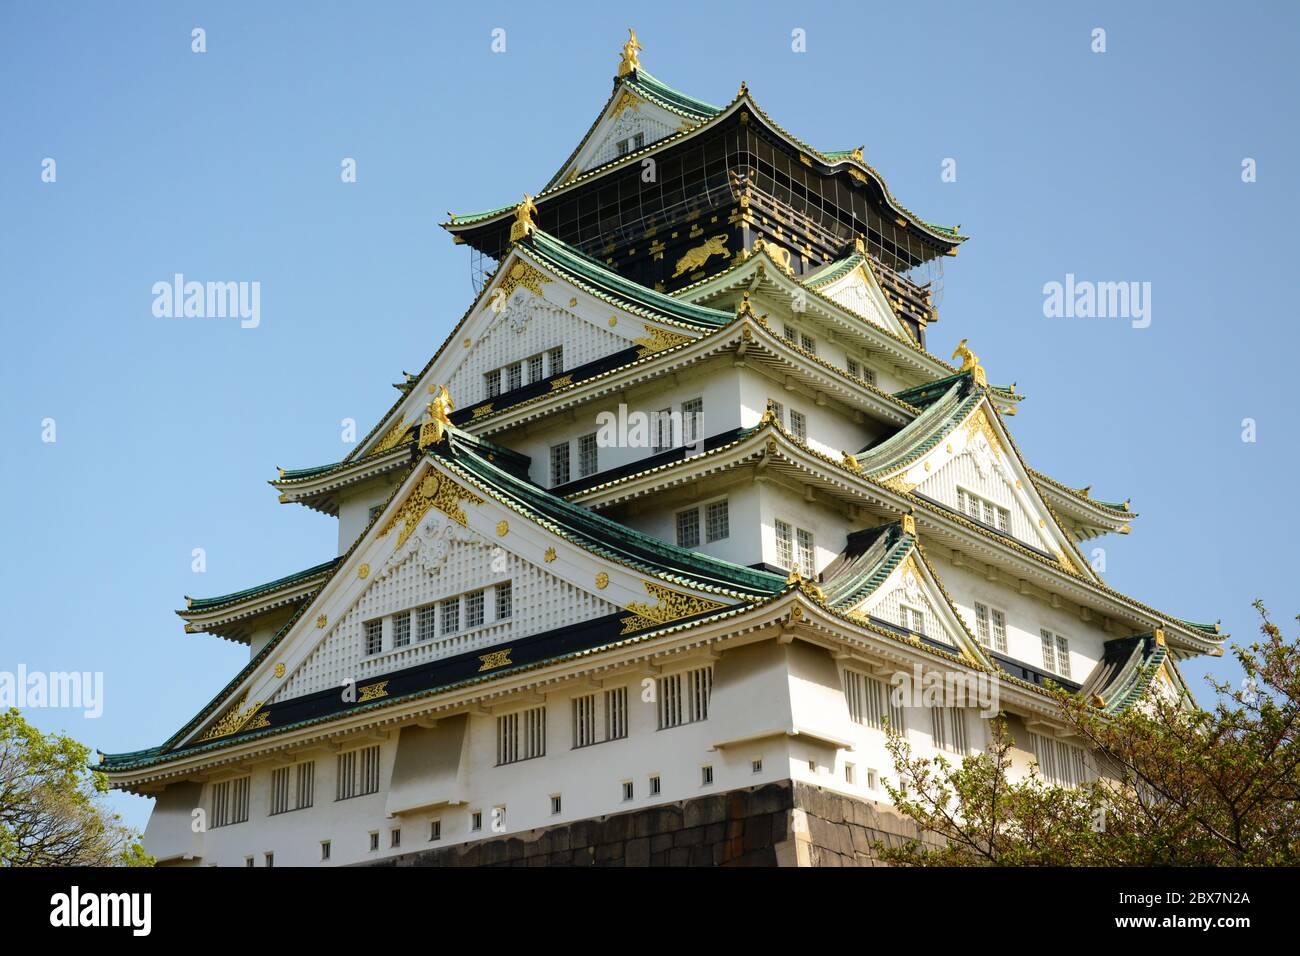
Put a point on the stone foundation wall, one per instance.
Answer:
(777, 824)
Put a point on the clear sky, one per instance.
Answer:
(1117, 166)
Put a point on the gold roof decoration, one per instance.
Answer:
(440, 409)
(970, 362)
(630, 60)
(524, 224)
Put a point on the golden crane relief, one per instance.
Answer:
(970, 362)
(630, 61)
(440, 408)
(695, 258)
(524, 224)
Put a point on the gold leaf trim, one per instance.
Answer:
(669, 606)
(435, 491)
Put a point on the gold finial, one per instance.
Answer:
(970, 362)
(857, 153)
(440, 408)
(744, 308)
(909, 525)
(280, 470)
(630, 60)
(849, 462)
(744, 88)
(1160, 636)
(859, 246)
(524, 224)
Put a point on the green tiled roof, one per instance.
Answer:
(660, 92)
(205, 604)
(927, 430)
(869, 557)
(473, 217)
(595, 274)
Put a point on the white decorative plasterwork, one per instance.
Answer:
(522, 309)
(429, 544)
(912, 589)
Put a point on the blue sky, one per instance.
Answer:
(1121, 166)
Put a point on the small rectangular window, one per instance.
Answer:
(854, 368)
(784, 546)
(1062, 656)
(789, 333)
(557, 360)
(435, 830)
(324, 849)
(756, 765)
(374, 841)
(913, 619)
(270, 859)
(616, 713)
(778, 410)
(535, 372)
(706, 775)
(492, 381)
(559, 464)
(662, 428)
(584, 720)
(555, 804)
(798, 425)
(374, 636)
(627, 789)
(474, 609)
(1049, 650)
(848, 773)
(402, 629)
(505, 600)
(395, 838)
(587, 455)
(688, 528)
(692, 421)
(476, 820)
(654, 785)
(427, 623)
(514, 376)
(807, 554)
(808, 343)
(717, 522)
(450, 610)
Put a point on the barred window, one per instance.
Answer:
(374, 636)
(616, 713)
(292, 788)
(716, 520)
(450, 612)
(778, 410)
(584, 720)
(514, 376)
(559, 464)
(402, 629)
(492, 380)
(521, 735)
(1056, 653)
(913, 619)
(784, 546)
(808, 343)
(692, 420)
(427, 623)
(358, 773)
(807, 554)
(1061, 764)
(587, 455)
(798, 425)
(1049, 650)
(991, 627)
(688, 528)
(684, 697)
(789, 333)
(948, 729)
(505, 594)
(557, 359)
(662, 427)
(854, 368)
(474, 609)
(535, 373)
(866, 698)
(230, 802)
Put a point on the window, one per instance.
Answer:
(514, 376)
(374, 841)
(559, 464)
(627, 789)
(426, 623)
(870, 703)
(249, 862)
(395, 838)
(587, 455)
(505, 595)
(788, 331)
(688, 528)
(268, 859)
(358, 773)
(756, 765)
(654, 785)
(873, 780)
(848, 773)
(948, 729)
(1062, 764)
(984, 511)
(229, 802)
(799, 425)
(684, 697)
(450, 615)
(807, 553)
(662, 423)
(557, 359)
(474, 609)
(435, 830)
(584, 720)
(476, 820)
(492, 382)
(913, 619)
(535, 373)
(716, 520)
(521, 735)
(616, 713)
(292, 788)
(374, 636)
(706, 775)
(692, 421)
(778, 410)
(784, 546)
(374, 512)
(555, 804)
(324, 849)
(854, 368)
(402, 629)
(808, 343)
(991, 627)
(1056, 653)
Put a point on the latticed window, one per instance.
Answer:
(688, 528)
(559, 464)
(692, 420)
(1056, 653)
(587, 455)
(450, 611)
(717, 523)
(535, 372)
(374, 636)
(557, 360)
(854, 368)
(492, 381)
(662, 426)
(505, 595)
(807, 553)
(913, 619)
(402, 629)
(427, 626)
(991, 627)
(1049, 649)
(784, 545)
(514, 376)
(474, 609)
(798, 425)
(778, 410)
(808, 343)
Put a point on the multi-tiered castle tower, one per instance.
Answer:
(628, 569)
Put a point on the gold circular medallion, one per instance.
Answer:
(602, 580)
(363, 572)
(502, 529)
(279, 670)
(322, 621)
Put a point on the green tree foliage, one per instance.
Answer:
(1176, 785)
(51, 808)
